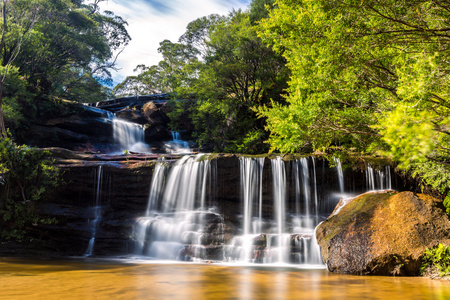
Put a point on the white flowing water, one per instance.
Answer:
(340, 174)
(287, 237)
(279, 197)
(379, 180)
(177, 145)
(97, 211)
(277, 225)
(173, 225)
(129, 136)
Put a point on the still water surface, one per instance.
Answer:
(120, 279)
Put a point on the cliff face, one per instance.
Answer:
(120, 185)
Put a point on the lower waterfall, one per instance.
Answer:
(282, 202)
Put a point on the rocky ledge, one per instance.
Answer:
(382, 233)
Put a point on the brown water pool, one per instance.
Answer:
(120, 279)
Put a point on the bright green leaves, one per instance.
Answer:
(438, 258)
(409, 134)
(367, 76)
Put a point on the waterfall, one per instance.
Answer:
(279, 210)
(279, 197)
(306, 190)
(97, 211)
(289, 236)
(316, 199)
(174, 224)
(388, 177)
(382, 180)
(176, 145)
(370, 178)
(340, 174)
(129, 136)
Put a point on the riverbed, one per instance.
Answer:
(89, 278)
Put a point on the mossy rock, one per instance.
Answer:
(382, 233)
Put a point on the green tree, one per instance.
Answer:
(25, 176)
(18, 19)
(239, 73)
(59, 48)
(165, 77)
(367, 76)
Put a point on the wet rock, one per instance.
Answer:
(157, 133)
(131, 115)
(382, 233)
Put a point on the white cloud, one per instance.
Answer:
(149, 24)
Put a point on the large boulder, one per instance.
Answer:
(382, 233)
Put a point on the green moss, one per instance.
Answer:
(360, 205)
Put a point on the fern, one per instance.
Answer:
(438, 257)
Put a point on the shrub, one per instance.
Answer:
(25, 175)
(438, 258)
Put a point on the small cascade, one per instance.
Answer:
(129, 136)
(174, 224)
(340, 174)
(287, 237)
(379, 180)
(97, 211)
(279, 197)
(388, 177)
(177, 145)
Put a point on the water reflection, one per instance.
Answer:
(90, 278)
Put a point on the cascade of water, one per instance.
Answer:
(306, 190)
(340, 174)
(279, 195)
(382, 180)
(156, 187)
(176, 145)
(97, 211)
(316, 198)
(260, 218)
(173, 227)
(380, 175)
(388, 177)
(129, 136)
(370, 178)
(251, 189)
(289, 238)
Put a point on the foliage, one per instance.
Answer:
(17, 100)
(26, 175)
(437, 257)
(59, 48)
(164, 77)
(222, 71)
(367, 76)
(447, 204)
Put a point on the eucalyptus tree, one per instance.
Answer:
(239, 74)
(18, 19)
(59, 48)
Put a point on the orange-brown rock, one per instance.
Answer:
(382, 233)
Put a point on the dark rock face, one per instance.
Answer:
(382, 233)
(88, 130)
(123, 193)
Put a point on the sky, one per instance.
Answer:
(152, 21)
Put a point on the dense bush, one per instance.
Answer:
(437, 258)
(26, 174)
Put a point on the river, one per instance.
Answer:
(90, 278)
